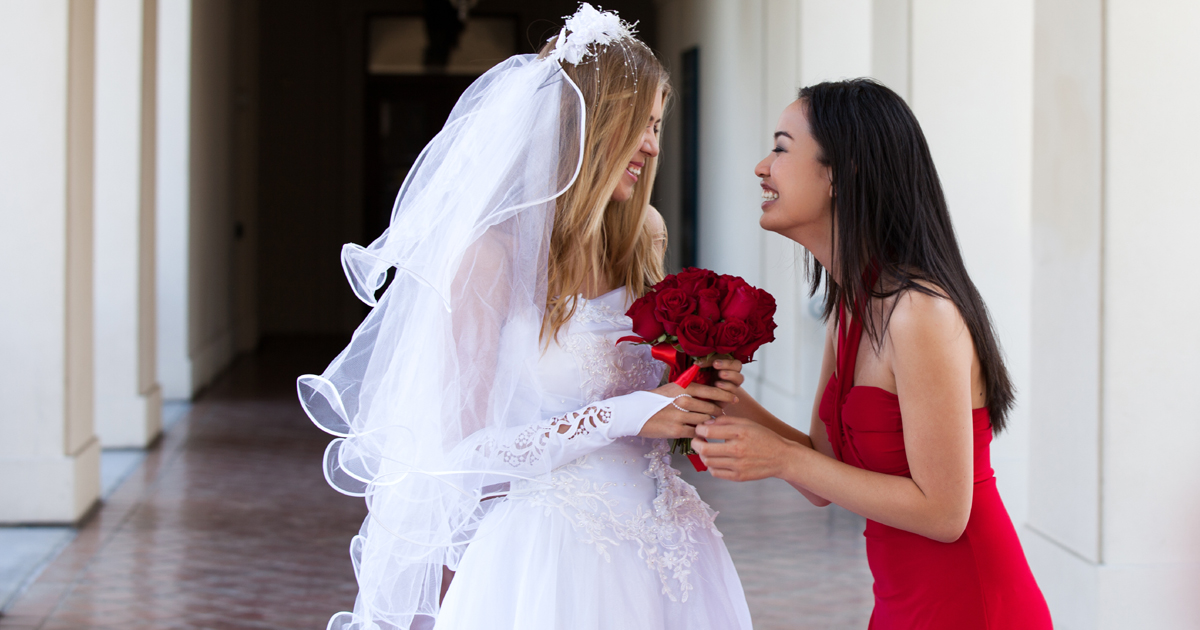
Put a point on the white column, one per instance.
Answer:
(1115, 502)
(972, 91)
(128, 398)
(49, 454)
(891, 43)
(1067, 315)
(172, 157)
(1150, 506)
(780, 374)
(805, 42)
(1150, 502)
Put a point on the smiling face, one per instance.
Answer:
(797, 189)
(647, 149)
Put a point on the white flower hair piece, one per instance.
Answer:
(588, 26)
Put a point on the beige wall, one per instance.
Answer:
(46, 57)
(210, 195)
(205, 173)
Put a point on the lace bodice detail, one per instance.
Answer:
(626, 492)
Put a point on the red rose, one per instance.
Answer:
(766, 305)
(723, 283)
(695, 336)
(671, 306)
(730, 335)
(761, 331)
(709, 303)
(740, 302)
(693, 280)
(645, 325)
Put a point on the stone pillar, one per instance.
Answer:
(128, 398)
(1115, 500)
(49, 454)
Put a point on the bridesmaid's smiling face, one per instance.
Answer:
(797, 187)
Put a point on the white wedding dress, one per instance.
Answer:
(612, 539)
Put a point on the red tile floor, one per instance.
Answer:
(229, 524)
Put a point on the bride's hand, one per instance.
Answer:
(690, 407)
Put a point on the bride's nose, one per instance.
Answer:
(650, 143)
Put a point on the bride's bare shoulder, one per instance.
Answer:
(654, 220)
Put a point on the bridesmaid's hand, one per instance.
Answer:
(729, 371)
(750, 451)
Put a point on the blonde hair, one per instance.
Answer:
(593, 236)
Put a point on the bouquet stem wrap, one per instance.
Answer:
(674, 359)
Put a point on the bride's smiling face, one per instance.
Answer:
(797, 188)
(647, 149)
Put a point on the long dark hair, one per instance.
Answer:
(891, 222)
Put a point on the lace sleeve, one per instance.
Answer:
(561, 439)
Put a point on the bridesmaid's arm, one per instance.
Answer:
(932, 361)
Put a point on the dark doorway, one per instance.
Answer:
(689, 96)
(403, 113)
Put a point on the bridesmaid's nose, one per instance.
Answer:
(763, 168)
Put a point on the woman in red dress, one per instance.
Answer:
(902, 432)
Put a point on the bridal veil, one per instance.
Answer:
(447, 355)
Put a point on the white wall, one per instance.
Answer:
(128, 399)
(46, 436)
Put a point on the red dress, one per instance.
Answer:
(981, 580)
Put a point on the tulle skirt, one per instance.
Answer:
(528, 569)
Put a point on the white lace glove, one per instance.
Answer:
(546, 445)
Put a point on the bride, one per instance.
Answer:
(483, 408)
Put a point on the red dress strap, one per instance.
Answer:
(848, 337)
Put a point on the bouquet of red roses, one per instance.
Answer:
(695, 316)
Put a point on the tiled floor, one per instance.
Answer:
(229, 524)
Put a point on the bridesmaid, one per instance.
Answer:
(915, 382)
